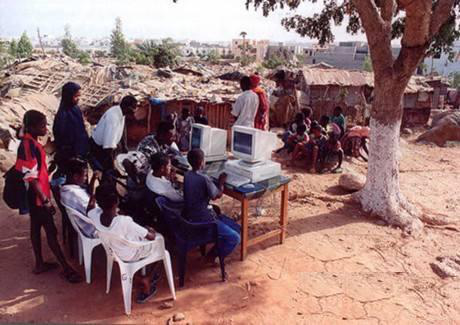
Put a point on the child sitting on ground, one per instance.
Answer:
(199, 190)
(299, 120)
(161, 179)
(339, 119)
(184, 127)
(307, 112)
(297, 142)
(356, 139)
(107, 218)
(76, 195)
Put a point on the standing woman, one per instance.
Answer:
(69, 130)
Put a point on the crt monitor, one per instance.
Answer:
(252, 145)
(212, 141)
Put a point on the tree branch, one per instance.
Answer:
(442, 10)
(388, 9)
(378, 34)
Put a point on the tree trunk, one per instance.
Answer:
(382, 195)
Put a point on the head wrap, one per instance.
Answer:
(68, 92)
(255, 81)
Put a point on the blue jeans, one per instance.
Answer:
(228, 232)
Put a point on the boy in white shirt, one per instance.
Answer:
(76, 195)
(246, 105)
(107, 218)
(161, 178)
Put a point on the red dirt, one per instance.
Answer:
(337, 264)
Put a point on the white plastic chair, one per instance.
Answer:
(128, 269)
(85, 244)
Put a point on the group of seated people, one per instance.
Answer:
(323, 144)
(148, 169)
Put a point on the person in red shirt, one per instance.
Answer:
(31, 162)
(261, 119)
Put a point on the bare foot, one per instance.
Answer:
(44, 267)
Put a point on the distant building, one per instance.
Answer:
(442, 65)
(346, 55)
(255, 48)
(287, 52)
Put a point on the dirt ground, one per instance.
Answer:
(338, 265)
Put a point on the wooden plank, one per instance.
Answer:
(244, 228)
(261, 238)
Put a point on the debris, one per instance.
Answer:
(232, 76)
(447, 266)
(166, 305)
(445, 127)
(178, 317)
(352, 181)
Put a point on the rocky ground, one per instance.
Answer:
(338, 265)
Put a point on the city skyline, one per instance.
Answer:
(212, 20)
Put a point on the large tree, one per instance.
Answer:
(423, 27)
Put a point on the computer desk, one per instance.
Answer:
(273, 185)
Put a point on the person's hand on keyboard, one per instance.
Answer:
(222, 179)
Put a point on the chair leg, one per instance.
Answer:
(182, 264)
(169, 273)
(87, 257)
(203, 250)
(80, 250)
(144, 271)
(109, 272)
(222, 268)
(127, 286)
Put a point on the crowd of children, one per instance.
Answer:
(320, 145)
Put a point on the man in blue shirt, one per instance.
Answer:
(199, 190)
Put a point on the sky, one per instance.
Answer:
(202, 20)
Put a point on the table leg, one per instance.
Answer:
(244, 227)
(284, 212)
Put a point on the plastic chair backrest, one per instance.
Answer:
(77, 214)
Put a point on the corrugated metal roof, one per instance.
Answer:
(327, 77)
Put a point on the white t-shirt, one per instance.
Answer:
(126, 228)
(163, 187)
(245, 108)
(76, 197)
(109, 130)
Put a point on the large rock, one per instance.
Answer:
(445, 127)
(352, 181)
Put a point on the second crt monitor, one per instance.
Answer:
(212, 141)
(252, 145)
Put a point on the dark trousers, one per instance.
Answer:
(40, 218)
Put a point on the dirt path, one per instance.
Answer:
(337, 265)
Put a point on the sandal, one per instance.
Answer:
(71, 276)
(46, 266)
(142, 298)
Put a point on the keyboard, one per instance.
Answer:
(237, 180)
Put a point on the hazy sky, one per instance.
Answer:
(204, 20)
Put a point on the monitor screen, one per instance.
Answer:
(242, 142)
(196, 138)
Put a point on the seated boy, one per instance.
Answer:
(76, 195)
(307, 112)
(199, 189)
(160, 179)
(108, 219)
(292, 129)
(296, 143)
(314, 146)
(354, 140)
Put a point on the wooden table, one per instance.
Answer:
(273, 185)
(278, 184)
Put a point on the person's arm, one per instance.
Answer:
(91, 190)
(151, 233)
(35, 185)
(219, 190)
